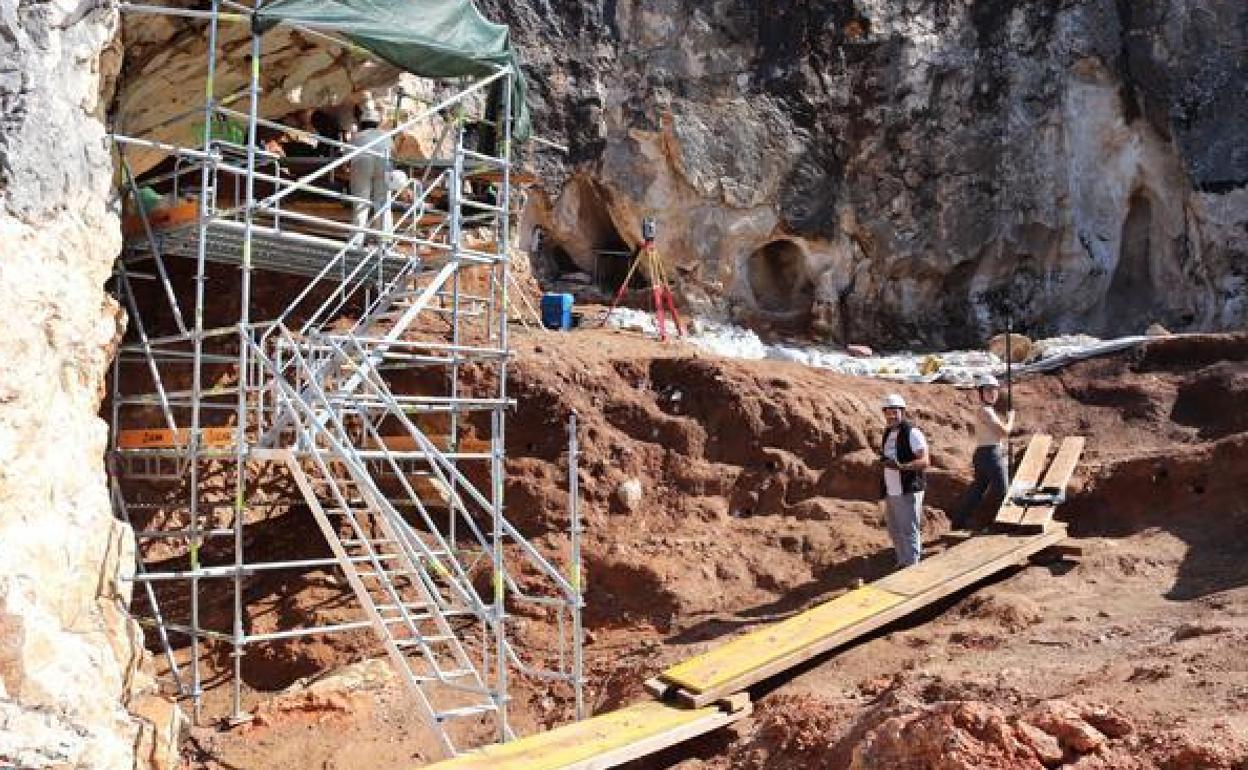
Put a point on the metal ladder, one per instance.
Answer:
(392, 573)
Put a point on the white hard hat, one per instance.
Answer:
(986, 381)
(370, 114)
(894, 401)
(395, 180)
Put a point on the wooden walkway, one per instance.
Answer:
(751, 658)
(606, 740)
(707, 692)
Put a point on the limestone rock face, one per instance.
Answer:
(165, 64)
(881, 171)
(897, 172)
(71, 661)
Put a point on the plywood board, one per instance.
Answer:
(604, 741)
(1026, 476)
(953, 563)
(1037, 517)
(517, 177)
(731, 661)
(164, 438)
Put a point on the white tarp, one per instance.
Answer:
(958, 366)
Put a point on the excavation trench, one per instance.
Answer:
(758, 499)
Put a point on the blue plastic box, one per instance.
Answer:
(557, 311)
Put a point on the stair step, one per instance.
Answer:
(462, 613)
(378, 557)
(386, 575)
(427, 640)
(411, 618)
(409, 606)
(447, 676)
(465, 711)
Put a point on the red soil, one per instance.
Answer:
(758, 489)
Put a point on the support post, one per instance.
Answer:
(244, 319)
(206, 186)
(456, 184)
(497, 467)
(578, 603)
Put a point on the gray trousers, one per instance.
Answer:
(903, 514)
(989, 465)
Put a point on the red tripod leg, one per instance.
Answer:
(619, 295)
(671, 305)
(657, 294)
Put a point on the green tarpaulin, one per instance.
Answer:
(429, 38)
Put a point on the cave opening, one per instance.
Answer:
(613, 256)
(1132, 294)
(779, 278)
(586, 241)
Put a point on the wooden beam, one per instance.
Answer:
(1066, 551)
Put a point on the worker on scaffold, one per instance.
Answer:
(370, 173)
(905, 458)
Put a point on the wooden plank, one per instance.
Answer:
(1063, 467)
(1037, 517)
(949, 565)
(164, 438)
(1060, 552)
(607, 740)
(517, 177)
(944, 583)
(735, 660)
(1025, 477)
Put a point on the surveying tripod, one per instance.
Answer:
(660, 291)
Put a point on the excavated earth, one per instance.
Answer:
(758, 500)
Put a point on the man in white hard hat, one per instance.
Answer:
(988, 462)
(369, 173)
(905, 456)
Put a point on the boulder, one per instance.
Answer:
(1020, 347)
(629, 494)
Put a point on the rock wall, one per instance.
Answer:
(165, 67)
(897, 172)
(73, 693)
(906, 171)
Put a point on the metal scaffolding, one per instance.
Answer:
(348, 399)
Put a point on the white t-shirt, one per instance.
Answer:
(918, 445)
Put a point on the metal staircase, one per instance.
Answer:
(394, 585)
